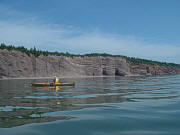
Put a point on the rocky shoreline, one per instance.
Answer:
(16, 64)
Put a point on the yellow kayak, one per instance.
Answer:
(52, 84)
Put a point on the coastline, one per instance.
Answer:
(27, 78)
(18, 65)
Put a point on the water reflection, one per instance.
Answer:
(22, 104)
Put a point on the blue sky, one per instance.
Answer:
(138, 28)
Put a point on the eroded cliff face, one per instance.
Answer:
(147, 69)
(15, 64)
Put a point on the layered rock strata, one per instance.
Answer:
(15, 64)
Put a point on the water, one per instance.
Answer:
(94, 106)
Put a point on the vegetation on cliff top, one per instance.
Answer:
(36, 53)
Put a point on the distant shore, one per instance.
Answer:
(26, 78)
(17, 63)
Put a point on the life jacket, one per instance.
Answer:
(57, 80)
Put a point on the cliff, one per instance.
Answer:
(16, 64)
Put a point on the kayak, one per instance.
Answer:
(52, 84)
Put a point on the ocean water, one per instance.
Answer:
(94, 106)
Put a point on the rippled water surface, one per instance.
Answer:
(94, 106)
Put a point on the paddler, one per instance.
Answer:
(56, 80)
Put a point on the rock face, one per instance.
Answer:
(15, 64)
(147, 69)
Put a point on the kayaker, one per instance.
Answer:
(56, 80)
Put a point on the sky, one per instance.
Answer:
(147, 29)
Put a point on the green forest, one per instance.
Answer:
(36, 53)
